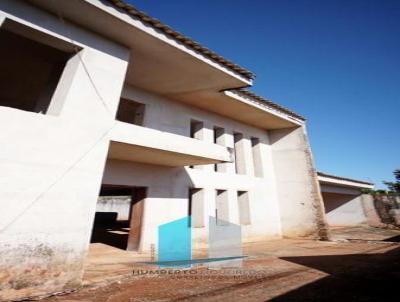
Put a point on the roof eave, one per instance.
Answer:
(338, 180)
(179, 37)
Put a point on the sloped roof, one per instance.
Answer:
(158, 25)
(134, 12)
(344, 178)
(265, 102)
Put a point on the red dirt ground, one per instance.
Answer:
(365, 267)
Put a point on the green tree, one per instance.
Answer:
(395, 185)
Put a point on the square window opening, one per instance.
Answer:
(130, 112)
(30, 70)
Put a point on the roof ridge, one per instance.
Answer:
(133, 11)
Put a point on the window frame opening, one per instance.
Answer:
(36, 63)
(131, 112)
(196, 129)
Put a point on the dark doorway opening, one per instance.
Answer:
(119, 217)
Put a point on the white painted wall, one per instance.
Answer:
(51, 166)
(168, 187)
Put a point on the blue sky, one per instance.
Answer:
(335, 62)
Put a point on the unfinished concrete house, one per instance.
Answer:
(104, 109)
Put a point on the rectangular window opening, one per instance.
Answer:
(130, 112)
(30, 70)
(196, 129)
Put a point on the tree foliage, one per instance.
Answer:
(394, 186)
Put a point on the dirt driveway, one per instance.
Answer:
(362, 264)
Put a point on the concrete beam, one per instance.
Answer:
(140, 144)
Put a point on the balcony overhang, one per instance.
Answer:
(240, 108)
(144, 145)
(158, 63)
(164, 66)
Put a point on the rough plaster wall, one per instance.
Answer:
(381, 210)
(344, 210)
(51, 167)
(300, 201)
(370, 210)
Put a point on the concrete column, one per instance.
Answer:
(223, 210)
(200, 212)
(243, 155)
(243, 205)
(240, 161)
(258, 164)
(233, 207)
(102, 95)
(248, 156)
(199, 215)
(207, 135)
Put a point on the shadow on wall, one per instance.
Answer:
(333, 201)
(359, 277)
(162, 181)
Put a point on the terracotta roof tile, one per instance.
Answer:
(131, 10)
(267, 102)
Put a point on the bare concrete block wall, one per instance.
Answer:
(301, 206)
